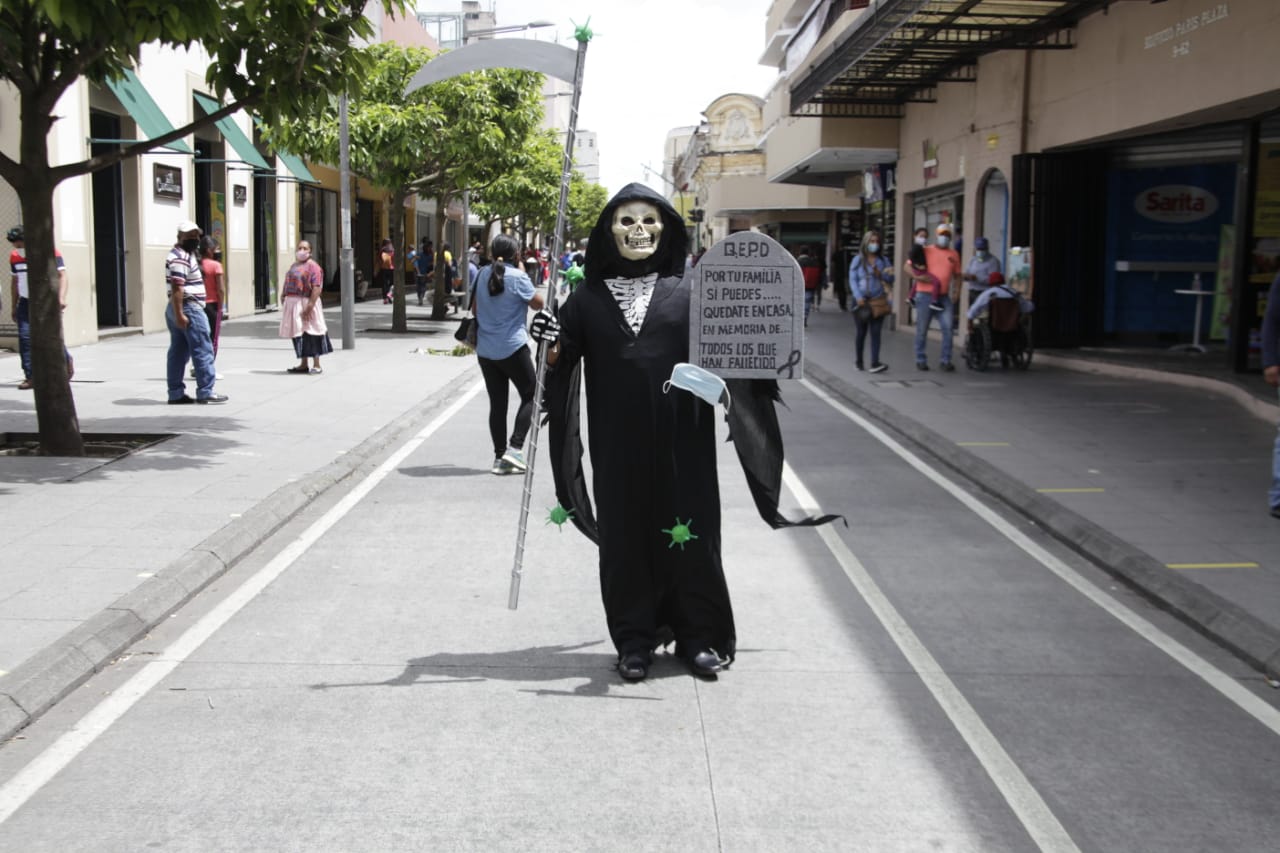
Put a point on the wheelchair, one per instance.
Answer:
(1005, 330)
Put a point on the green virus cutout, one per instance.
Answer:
(583, 33)
(574, 275)
(680, 533)
(558, 516)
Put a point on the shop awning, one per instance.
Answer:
(293, 163)
(144, 111)
(232, 133)
(900, 50)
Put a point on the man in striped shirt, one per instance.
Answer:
(189, 338)
(21, 311)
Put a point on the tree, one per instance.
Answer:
(464, 133)
(586, 201)
(276, 57)
(532, 188)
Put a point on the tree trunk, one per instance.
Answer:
(399, 319)
(55, 408)
(442, 283)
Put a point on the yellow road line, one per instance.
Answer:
(1211, 565)
(983, 444)
(1091, 491)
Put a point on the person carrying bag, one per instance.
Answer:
(870, 277)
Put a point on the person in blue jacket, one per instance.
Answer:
(870, 277)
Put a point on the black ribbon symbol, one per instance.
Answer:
(790, 365)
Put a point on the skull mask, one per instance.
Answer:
(637, 228)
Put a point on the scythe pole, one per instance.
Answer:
(556, 61)
(583, 34)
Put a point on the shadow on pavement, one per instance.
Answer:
(537, 663)
(445, 470)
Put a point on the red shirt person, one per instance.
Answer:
(943, 264)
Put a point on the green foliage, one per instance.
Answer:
(586, 201)
(531, 189)
(461, 133)
(282, 56)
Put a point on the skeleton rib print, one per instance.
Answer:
(632, 296)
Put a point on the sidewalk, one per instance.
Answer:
(97, 551)
(1163, 483)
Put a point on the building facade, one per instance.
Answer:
(1113, 153)
(115, 227)
(725, 168)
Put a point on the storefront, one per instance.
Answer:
(1170, 225)
(1132, 147)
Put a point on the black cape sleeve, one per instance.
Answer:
(757, 438)
(562, 403)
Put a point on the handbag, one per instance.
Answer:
(466, 332)
(879, 305)
(862, 313)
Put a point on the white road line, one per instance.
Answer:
(1201, 668)
(1026, 802)
(63, 751)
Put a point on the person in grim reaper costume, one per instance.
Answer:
(653, 448)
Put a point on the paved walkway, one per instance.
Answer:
(94, 550)
(1139, 475)
(1164, 482)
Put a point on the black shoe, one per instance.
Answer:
(216, 398)
(947, 367)
(181, 401)
(858, 365)
(705, 664)
(920, 365)
(634, 667)
(1275, 512)
(879, 367)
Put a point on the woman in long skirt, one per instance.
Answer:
(301, 315)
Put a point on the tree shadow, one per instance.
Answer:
(536, 663)
(213, 433)
(445, 470)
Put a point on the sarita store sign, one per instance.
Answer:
(1176, 203)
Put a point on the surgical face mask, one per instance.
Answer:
(943, 240)
(303, 255)
(192, 245)
(698, 381)
(982, 254)
(873, 248)
(920, 241)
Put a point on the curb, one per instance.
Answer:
(1251, 403)
(41, 681)
(1227, 624)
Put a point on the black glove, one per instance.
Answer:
(545, 328)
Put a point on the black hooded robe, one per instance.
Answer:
(653, 454)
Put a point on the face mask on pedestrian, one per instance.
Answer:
(982, 254)
(943, 240)
(921, 240)
(303, 255)
(873, 248)
(192, 245)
